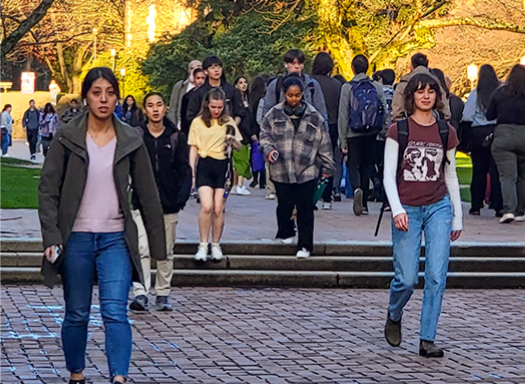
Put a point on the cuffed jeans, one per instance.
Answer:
(508, 149)
(164, 267)
(436, 219)
(105, 255)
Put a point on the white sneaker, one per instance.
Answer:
(216, 252)
(327, 206)
(288, 240)
(519, 219)
(243, 191)
(507, 218)
(202, 253)
(303, 254)
(270, 196)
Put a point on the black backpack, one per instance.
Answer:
(365, 110)
(402, 139)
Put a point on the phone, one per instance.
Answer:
(58, 252)
(275, 156)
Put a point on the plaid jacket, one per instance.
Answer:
(304, 154)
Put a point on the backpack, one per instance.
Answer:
(279, 87)
(365, 112)
(402, 139)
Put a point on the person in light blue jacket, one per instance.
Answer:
(7, 128)
(482, 160)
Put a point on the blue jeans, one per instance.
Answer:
(436, 221)
(6, 140)
(105, 255)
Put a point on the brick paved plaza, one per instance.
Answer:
(231, 335)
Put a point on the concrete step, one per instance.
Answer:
(314, 263)
(353, 248)
(320, 279)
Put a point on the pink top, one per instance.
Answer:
(100, 210)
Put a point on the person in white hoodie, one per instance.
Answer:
(423, 191)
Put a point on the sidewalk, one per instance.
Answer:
(275, 336)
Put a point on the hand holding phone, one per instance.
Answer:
(52, 253)
(273, 156)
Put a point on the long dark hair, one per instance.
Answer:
(125, 107)
(48, 108)
(7, 106)
(215, 93)
(515, 84)
(417, 83)
(441, 77)
(99, 73)
(488, 82)
(323, 64)
(257, 92)
(245, 95)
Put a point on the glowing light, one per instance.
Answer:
(150, 20)
(122, 72)
(472, 72)
(522, 61)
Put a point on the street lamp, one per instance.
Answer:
(123, 75)
(95, 31)
(472, 74)
(113, 54)
(522, 61)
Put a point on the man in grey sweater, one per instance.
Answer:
(179, 90)
(30, 123)
(359, 144)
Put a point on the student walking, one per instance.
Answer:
(6, 126)
(257, 92)
(180, 89)
(298, 148)
(208, 141)
(30, 122)
(169, 154)
(48, 126)
(483, 163)
(321, 71)
(199, 77)
(362, 115)
(507, 106)
(132, 114)
(87, 227)
(423, 191)
(70, 113)
(241, 159)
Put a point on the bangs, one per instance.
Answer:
(432, 84)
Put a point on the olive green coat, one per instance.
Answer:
(62, 184)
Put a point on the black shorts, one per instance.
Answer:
(211, 173)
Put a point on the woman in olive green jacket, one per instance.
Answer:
(87, 226)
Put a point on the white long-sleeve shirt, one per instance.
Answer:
(451, 181)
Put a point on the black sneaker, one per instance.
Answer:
(163, 304)
(393, 331)
(337, 197)
(82, 381)
(429, 349)
(358, 202)
(253, 184)
(140, 304)
(33, 157)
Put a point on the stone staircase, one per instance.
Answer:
(345, 265)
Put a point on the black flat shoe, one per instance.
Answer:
(393, 331)
(429, 349)
(474, 212)
(253, 184)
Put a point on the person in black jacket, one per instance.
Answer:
(169, 154)
(30, 122)
(321, 71)
(132, 113)
(212, 65)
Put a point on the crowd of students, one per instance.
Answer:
(402, 138)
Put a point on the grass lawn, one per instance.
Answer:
(19, 185)
(464, 169)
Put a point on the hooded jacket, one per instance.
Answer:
(170, 159)
(62, 184)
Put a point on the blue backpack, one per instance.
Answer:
(366, 112)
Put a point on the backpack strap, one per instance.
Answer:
(174, 141)
(402, 139)
(444, 131)
(311, 87)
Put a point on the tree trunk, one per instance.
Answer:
(63, 68)
(78, 64)
(25, 26)
(473, 21)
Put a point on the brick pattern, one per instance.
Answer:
(273, 336)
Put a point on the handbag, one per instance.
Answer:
(257, 158)
(319, 189)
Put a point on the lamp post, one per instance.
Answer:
(95, 31)
(113, 54)
(472, 74)
(522, 61)
(123, 75)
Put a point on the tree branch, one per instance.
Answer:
(474, 22)
(25, 26)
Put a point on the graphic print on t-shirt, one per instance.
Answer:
(422, 161)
